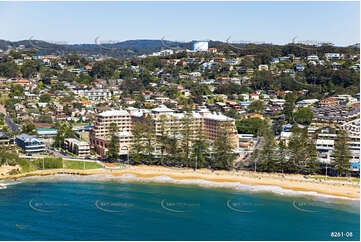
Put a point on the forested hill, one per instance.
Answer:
(121, 49)
(131, 48)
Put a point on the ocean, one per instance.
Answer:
(126, 208)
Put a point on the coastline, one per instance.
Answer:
(299, 183)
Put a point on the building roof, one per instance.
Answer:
(28, 138)
(218, 117)
(46, 131)
(162, 109)
(110, 113)
(308, 101)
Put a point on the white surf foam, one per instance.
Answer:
(5, 185)
(200, 182)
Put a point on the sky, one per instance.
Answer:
(106, 22)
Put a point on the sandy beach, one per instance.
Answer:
(292, 182)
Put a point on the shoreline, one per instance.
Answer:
(342, 189)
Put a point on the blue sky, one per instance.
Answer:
(272, 22)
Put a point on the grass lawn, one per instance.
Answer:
(71, 164)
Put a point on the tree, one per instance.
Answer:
(172, 149)
(46, 76)
(186, 137)
(8, 69)
(149, 135)
(113, 148)
(104, 69)
(303, 116)
(262, 80)
(253, 126)
(200, 150)
(162, 138)
(66, 76)
(342, 154)
(28, 68)
(137, 148)
(28, 128)
(64, 131)
(289, 106)
(268, 154)
(45, 98)
(256, 107)
(302, 152)
(223, 148)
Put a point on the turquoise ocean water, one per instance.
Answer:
(70, 208)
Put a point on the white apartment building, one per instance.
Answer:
(100, 134)
(80, 148)
(325, 144)
(352, 127)
(94, 94)
(164, 120)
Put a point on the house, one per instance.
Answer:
(284, 58)
(277, 102)
(219, 59)
(285, 137)
(254, 96)
(5, 139)
(333, 56)
(244, 97)
(30, 143)
(328, 102)
(289, 71)
(212, 50)
(307, 102)
(299, 67)
(129, 101)
(263, 67)
(19, 62)
(335, 66)
(275, 61)
(312, 58)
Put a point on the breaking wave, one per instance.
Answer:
(200, 182)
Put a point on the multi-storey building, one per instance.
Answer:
(94, 94)
(328, 102)
(164, 120)
(333, 115)
(30, 143)
(352, 127)
(100, 135)
(80, 148)
(325, 144)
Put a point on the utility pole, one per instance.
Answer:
(326, 170)
(196, 161)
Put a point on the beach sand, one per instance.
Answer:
(292, 182)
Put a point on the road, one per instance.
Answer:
(13, 127)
